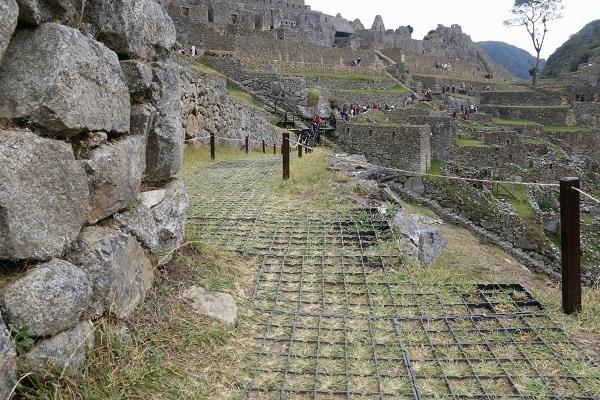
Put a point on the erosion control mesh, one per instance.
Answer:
(338, 319)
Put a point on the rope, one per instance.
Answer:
(589, 196)
(450, 177)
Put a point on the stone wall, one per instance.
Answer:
(443, 129)
(587, 114)
(208, 109)
(406, 147)
(91, 145)
(547, 115)
(522, 98)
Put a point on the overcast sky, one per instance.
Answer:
(481, 19)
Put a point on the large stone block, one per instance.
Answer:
(132, 28)
(36, 12)
(117, 268)
(9, 11)
(164, 154)
(63, 83)
(115, 174)
(66, 351)
(139, 223)
(139, 78)
(49, 299)
(170, 216)
(43, 196)
(8, 363)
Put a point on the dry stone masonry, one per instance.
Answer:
(90, 120)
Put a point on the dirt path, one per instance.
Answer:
(342, 315)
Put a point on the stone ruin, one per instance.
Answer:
(94, 112)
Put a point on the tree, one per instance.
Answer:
(535, 15)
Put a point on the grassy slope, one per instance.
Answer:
(172, 353)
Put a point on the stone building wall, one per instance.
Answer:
(522, 98)
(587, 114)
(443, 129)
(208, 109)
(548, 115)
(91, 140)
(405, 147)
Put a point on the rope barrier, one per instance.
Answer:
(450, 177)
(589, 196)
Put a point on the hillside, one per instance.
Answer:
(514, 59)
(575, 51)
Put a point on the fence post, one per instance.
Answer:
(264, 147)
(247, 143)
(570, 244)
(285, 150)
(212, 146)
(299, 149)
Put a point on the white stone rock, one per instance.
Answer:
(220, 306)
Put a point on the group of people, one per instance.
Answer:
(443, 66)
(193, 51)
(428, 94)
(466, 111)
(461, 89)
(356, 61)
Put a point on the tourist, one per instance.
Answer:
(332, 121)
(193, 51)
(453, 88)
(454, 115)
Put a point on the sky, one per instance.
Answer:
(481, 19)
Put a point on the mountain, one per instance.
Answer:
(514, 59)
(577, 50)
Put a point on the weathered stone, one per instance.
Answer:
(8, 363)
(170, 216)
(115, 174)
(132, 28)
(66, 351)
(63, 83)
(139, 78)
(429, 241)
(220, 306)
(415, 184)
(552, 226)
(49, 299)
(43, 196)
(117, 268)
(36, 12)
(142, 118)
(152, 198)
(8, 22)
(164, 154)
(139, 222)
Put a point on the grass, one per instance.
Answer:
(350, 76)
(166, 350)
(558, 152)
(195, 157)
(558, 107)
(437, 167)
(515, 121)
(245, 97)
(313, 97)
(398, 89)
(566, 129)
(470, 142)
(516, 196)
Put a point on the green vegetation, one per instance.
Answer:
(245, 97)
(548, 128)
(195, 157)
(558, 152)
(566, 129)
(470, 142)
(575, 51)
(398, 89)
(558, 107)
(516, 196)
(313, 97)
(464, 96)
(437, 167)
(349, 76)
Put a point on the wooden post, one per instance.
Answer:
(212, 146)
(274, 148)
(247, 144)
(285, 150)
(299, 149)
(264, 147)
(570, 244)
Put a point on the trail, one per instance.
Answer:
(340, 318)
